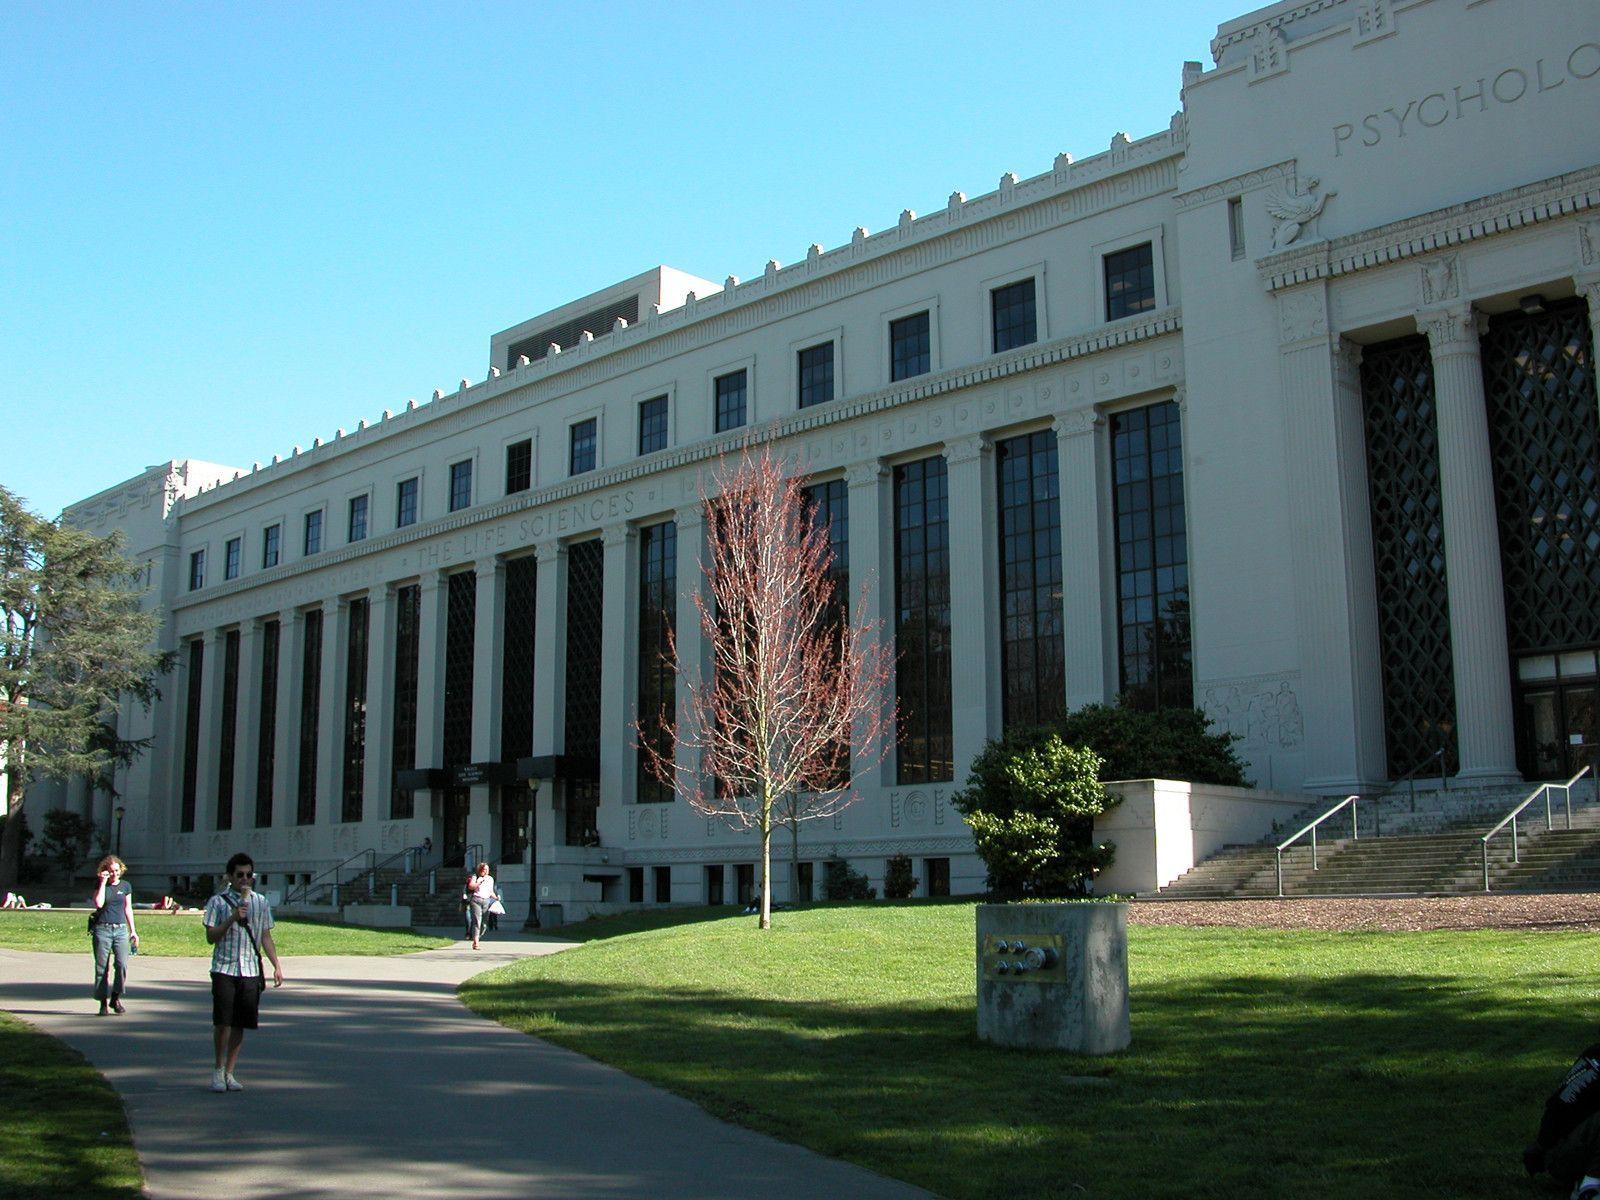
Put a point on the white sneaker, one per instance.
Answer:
(233, 1084)
(219, 1081)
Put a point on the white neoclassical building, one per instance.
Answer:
(1287, 411)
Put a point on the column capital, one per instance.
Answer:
(690, 516)
(865, 474)
(1347, 360)
(618, 535)
(1076, 423)
(965, 449)
(287, 617)
(488, 568)
(1588, 285)
(331, 606)
(1454, 329)
(548, 552)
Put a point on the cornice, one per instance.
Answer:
(1516, 208)
(1259, 177)
(1074, 190)
(1030, 358)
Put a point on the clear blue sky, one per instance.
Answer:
(227, 228)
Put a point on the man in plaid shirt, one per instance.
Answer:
(239, 928)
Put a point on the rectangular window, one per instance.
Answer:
(1236, 227)
(910, 347)
(732, 390)
(828, 506)
(271, 545)
(581, 446)
(804, 888)
(358, 519)
(658, 589)
(405, 505)
(227, 743)
(1032, 661)
(922, 622)
(938, 876)
(313, 540)
(816, 374)
(197, 570)
(267, 715)
(1152, 558)
(355, 711)
(517, 658)
(519, 466)
(714, 885)
(305, 809)
(653, 425)
(635, 885)
(1014, 315)
(191, 738)
(407, 627)
(744, 875)
(460, 634)
(460, 485)
(585, 598)
(663, 885)
(1130, 282)
(232, 554)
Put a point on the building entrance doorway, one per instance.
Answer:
(1560, 703)
(457, 801)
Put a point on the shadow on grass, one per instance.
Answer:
(1356, 1085)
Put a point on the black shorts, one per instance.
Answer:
(235, 1000)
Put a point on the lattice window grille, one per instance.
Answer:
(516, 663)
(585, 591)
(460, 627)
(355, 710)
(310, 715)
(922, 622)
(227, 744)
(267, 735)
(1033, 654)
(408, 620)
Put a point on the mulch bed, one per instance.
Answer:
(1505, 911)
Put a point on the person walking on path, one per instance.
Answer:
(113, 932)
(480, 893)
(239, 927)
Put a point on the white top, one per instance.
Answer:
(486, 890)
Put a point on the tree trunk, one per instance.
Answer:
(11, 840)
(766, 872)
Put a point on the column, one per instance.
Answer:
(330, 712)
(1479, 652)
(693, 664)
(872, 597)
(1085, 557)
(1325, 500)
(433, 596)
(550, 655)
(549, 683)
(378, 769)
(246, 743)
(619, 665)
(974, 634)
(286, 739)
(1588, 285)
(488, 642)
(205, 792)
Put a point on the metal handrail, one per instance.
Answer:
(1355, 832)
(1511, 819)
(315, 881)
(412, 856)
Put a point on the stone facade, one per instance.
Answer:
(1350, 172)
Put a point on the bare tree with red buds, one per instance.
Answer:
(793, 681)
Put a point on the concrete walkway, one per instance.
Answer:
(369, 1078)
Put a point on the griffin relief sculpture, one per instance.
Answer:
(1292, 211)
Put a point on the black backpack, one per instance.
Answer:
(1577, 1099)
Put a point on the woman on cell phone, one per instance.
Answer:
(112, 927)
(479, 893)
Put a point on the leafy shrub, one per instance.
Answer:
(1031, 801)
(1174, 743)
(66, 839)
(840, 881)
(898, 881)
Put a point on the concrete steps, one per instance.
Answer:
(1441, 851)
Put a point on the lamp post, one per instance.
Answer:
(118, 813)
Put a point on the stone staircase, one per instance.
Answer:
(1430, 845)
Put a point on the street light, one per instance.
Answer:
(118, 811)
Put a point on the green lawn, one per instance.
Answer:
(63, 1133)
(182, 935)
(1337, 1066)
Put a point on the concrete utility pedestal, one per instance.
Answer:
(1054, 976)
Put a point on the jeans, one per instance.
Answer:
(475, 910)
(110, 944)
